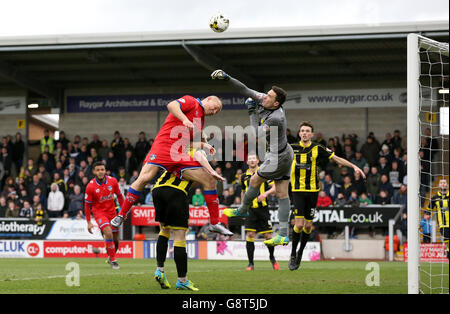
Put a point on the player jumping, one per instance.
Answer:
(99, 199)
(266, 111)
(170, 152)
(170, 197)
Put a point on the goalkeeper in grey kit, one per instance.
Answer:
(266, 111)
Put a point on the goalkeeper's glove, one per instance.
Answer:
(251, 106)
(219, 75)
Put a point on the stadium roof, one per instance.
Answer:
(48, 65)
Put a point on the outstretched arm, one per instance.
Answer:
(346, 163)
(239, 86)
(254, 97)
(200, 156)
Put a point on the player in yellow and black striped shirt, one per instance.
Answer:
(439, 203)
(258, 220)
(305, 186)
(170, 197)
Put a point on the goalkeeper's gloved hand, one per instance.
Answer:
(251, 106)
(219, 75)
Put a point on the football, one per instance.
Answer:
(219, 23)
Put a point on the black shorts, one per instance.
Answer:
(258, 220)
(305, 204)
(444, 233)
(171, 207)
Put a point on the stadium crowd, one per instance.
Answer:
(54, 183)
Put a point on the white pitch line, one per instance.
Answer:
(63, 276)
(90, 275)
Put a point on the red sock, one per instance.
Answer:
(132, 197)
(212, 202)
(110, 249)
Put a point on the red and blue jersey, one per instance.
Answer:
(173, 129)
(99, 196)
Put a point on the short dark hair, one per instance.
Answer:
(306, 123)
(98, 163)
(281, 94)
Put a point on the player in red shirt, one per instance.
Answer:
(99, 199)
(170, 151)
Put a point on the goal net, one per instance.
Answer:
(428, 165)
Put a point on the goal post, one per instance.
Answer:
(413, 145)
(427, 83)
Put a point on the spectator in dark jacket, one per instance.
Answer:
(2, 176)
(59, 169)
(291, 139)
(42, 197)
(386, 185)
(18, 149)
(82, 155)
(63, 140)
(3, 206)
(118, 147)
(401, 196)
(382, 198)
(373, 182)
(36, 183)
(330, 188)
(6, 160)
(95, 143)
(358, 184)
(48, 161)
(130, 164)
(141, 148)
(338, 147)
(389, 142)
(397, 140)
(359, 160)
(384, 166)
(349, 154)
(340, 200)
(347, 187)
(6, 142)
(370, 151)
(112, 163)
(76, 201)
(229, 172)
(103, 150)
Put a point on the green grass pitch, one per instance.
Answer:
(211, 277)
